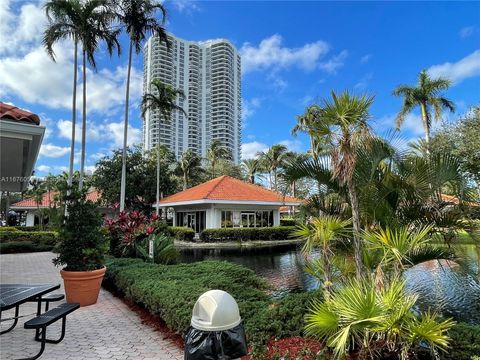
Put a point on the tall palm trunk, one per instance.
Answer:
(185, 181)
(74, 117)
(125, 134)
(357, 241)
(213, 169)
(84, 121)
(426, 126)
(252, 178)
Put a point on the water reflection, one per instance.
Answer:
(452, 288)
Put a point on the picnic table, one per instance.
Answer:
(13, 295)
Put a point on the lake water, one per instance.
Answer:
(450, 288)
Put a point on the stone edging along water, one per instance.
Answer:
(236, 244)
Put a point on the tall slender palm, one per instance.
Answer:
(311, 124)
(63, 17)
(252, 167)
(162, 99)
(427, 95)
(189, 163)
(88, 23)
(216, 152)
(272, 160)
(347, 118)
(138, 18)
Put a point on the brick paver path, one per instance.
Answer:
(106, 330)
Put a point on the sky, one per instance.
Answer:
(293, 54)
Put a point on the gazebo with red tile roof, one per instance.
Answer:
(227, 202)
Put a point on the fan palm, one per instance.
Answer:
(189, 164)
(162, 99)
(216, 152)
(319, 234)
(251, 167)
(426, 95)
(272, 160)
(138, 19)
(89, 24)
(363, 317)
(347, 116)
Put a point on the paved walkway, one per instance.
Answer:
(106, 330)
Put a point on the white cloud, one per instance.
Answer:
(43, 168)
(250, 149)
(53, 151)
(249, 107)
(365, 58)
(467, 31)
(363, 82)
(271, 53)
(100, 132)
(187, 6)
(465, 68)
(335, 62)
(292, 145)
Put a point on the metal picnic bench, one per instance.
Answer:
(13, 295)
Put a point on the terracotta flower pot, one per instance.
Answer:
(82, 287)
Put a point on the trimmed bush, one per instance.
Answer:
(247, 234)
(27, 228)
(288, 222)
(465, 342)
(36, 237)
(8, 228)
(170, 291)
(182, 233)
(14, 247)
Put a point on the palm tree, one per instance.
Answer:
(63, 21)
(88, 23)
(252, 167)
(311, 124)
(189, 164)
(346, 116)
(162, 99)
(272, 160)
(216, 152)
(426, 95)
(320, 233)
(138, 18)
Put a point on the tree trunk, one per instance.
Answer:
(185, 181)
(123, 182)
(84, 122)
(252, 178)
(426, 126)
(158, 180)
(74, 118)
(357, 241)
(213, 169)
(327, 272)
(275, 179)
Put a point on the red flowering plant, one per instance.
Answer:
(130, 228)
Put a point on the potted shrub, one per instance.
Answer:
(81, 251)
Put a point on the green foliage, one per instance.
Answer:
(465, 342)
(170, 291)
(364, 315)
(82, 246)
(182, 233)
(288, 222)
(36, 237)
(141, 184)
(14, 247)
(164, 251)
(247, 234)
(8, 228)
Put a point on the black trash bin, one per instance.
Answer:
(216, 330)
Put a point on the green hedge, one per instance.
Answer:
(182, 233)
(247, 234)
(36, 237)
(170, 291)
(288, 222)
(8, 228)
(14, 247)
(465, 342)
